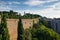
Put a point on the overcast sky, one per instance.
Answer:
(48, 8)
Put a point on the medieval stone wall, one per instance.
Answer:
(28, 23)
(12, 25)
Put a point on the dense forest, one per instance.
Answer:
(39, 31)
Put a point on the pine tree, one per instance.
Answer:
(5, 34)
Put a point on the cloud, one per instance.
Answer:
(57, 6)
(9, 2)
(7, 5)
(2, 3)
(4, 8)
(51, 0)
(37, 2)
(49, 12)
(14, 2)
(34, 3)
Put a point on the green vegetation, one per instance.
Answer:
(11, 14)
(27, 34)
(39, 31)
(20, 30)
(4, 29)
(31, 16)
(43, 33)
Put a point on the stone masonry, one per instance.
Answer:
(12, 25)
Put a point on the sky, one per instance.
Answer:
(47, 8)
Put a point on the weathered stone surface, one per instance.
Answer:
(12, 25)
(28, 23)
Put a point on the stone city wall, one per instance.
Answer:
(12, 25)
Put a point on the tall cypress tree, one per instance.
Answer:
(5, 34)
(20, 30)
(0, 31)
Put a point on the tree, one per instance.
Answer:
(12, 14)
(50, 34)
(5, 33)
(27, 34)
(41, 32)
(44, 22)
(20, 30)
(0, 32)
